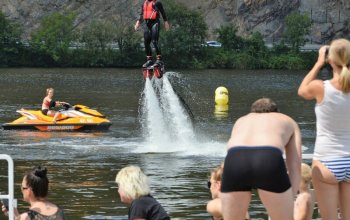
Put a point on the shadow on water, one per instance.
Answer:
(82, 166)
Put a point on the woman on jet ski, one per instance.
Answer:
(48, 104)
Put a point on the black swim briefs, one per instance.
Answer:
(248, 168)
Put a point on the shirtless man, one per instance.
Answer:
(255, 161)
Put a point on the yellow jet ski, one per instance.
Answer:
(71, 118)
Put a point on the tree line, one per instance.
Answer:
(108, 43)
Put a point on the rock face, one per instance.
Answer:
(330, 17)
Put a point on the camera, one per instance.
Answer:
(5, 202)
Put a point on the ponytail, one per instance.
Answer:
(344, 79)
(339, 53)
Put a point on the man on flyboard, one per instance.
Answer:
(150, 14)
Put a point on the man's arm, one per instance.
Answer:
(159, 6)
(293, 157)
(140, 20)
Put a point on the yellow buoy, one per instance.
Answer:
(221, 96)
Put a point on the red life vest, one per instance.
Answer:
(149, 13)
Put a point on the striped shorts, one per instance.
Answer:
(340, 167)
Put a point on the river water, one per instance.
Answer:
(82, 165)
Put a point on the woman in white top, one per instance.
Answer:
(331, 160)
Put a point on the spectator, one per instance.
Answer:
(214, 207)
(305, 201)
(255, 160)
(133, 189)
(35, 186)
(331, 159)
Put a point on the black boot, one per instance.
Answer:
(148, 63)
(159, 61)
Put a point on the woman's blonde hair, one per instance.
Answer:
(339, 53)
(48, 90)
(133, 182)
(216, 173)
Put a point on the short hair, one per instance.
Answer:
(37, 180)
(305, 173)
(133, 182)
(264, 105)
(48, 90)
(216, 173)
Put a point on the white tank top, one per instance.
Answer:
(332, 124)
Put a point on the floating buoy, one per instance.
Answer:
(221, 102)
(221, 111)
(221, 96)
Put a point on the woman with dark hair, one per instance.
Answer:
(34, 187)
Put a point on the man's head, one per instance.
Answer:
(264, 105)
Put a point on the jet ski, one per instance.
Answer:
(71, 118)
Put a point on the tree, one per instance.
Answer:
(229, 39)
(54, 36)
(297, 26)
(10, 41)
(181, 46)
(98, 35)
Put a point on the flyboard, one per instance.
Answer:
(157, 70)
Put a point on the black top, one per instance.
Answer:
(146, 207)
(34, 215)
(158, 6)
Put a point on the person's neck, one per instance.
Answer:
(304, 188)
(33, 202)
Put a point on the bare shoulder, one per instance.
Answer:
(214, 207)
(287, 118)
(23, 216)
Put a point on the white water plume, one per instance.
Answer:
(182, 126)
(167, 125)
(155, 125)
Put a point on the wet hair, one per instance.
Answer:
(305, 173)
(264, 105)
(37, 180)
(133, 182)
(339, 53)
(48, 90)
(216, 173)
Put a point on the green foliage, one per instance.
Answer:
(286, 61)
(297, 26)
(229, 39)
(54, 36)
(98, 35)
(116, 44)
(10, 43)
(181, 46)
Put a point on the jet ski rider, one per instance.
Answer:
(48, 104)
(150, 13)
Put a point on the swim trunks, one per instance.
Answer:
(339, 167)
(248, 168)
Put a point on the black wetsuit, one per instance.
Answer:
(151, 27)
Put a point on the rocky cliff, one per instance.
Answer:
(330, 17)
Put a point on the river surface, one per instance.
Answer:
(82, 165)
